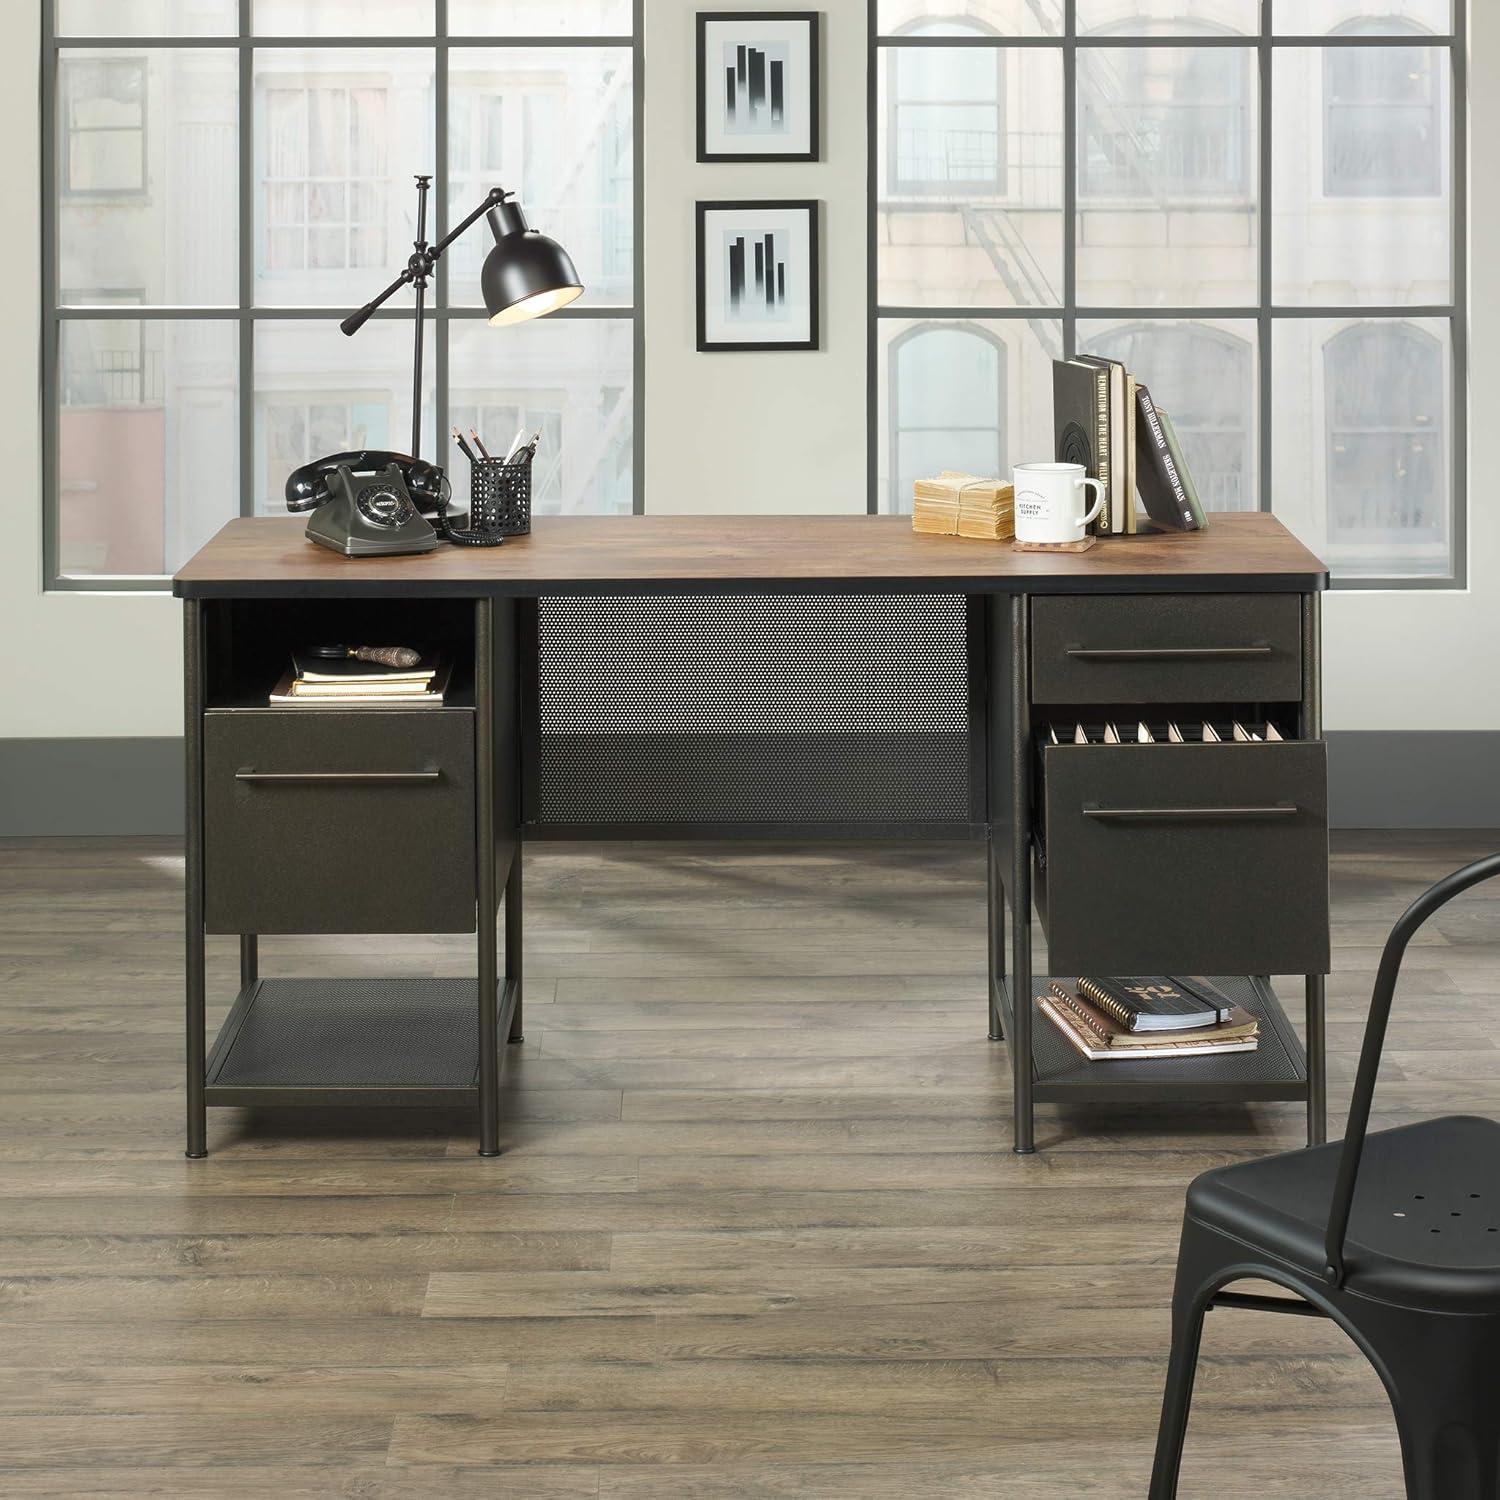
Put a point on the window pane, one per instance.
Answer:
(147, 17)
(959, 17)
(572, 379)
(147, 148)
(317, 392)
(148, 442)
(338, 138)
(1204, 375)
(540, 18)
(1378, 120)
(290, 18)
(974, 396)
(1319, 17)
(1167, 176)
(970, 209)
(553, 125)
(1363, 443)
(1168, 17)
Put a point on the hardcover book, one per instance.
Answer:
(310, 668)
(1162, 490)
(1185, 474)
(1120, 485)
(1080, 414)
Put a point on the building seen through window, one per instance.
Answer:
(229, 369)
(988, 267)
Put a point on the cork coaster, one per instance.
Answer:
(1081, 545)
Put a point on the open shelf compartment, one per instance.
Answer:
(1277, 1069)
(392, 1042)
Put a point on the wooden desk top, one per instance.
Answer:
(267, 556)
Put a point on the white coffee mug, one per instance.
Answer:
(1049, 502)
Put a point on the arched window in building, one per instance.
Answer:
(1167, 124)
(1385, 438)
(1382, 118)
(947, 404)
(1205, 378)
(945, 115)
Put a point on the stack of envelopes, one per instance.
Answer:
(956, 504)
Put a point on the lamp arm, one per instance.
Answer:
(493, 199)
(357, 320)
(422, 262)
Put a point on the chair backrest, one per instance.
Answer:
(1369, 1058)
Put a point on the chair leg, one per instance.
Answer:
(1199, 1261)
(1443, 1376)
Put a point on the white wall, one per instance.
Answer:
(73, 664)
(768, 432)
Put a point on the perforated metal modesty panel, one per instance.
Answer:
(718, 709)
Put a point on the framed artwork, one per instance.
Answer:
(758, 275)
(758, 85)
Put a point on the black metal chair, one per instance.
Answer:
(1395, 1236)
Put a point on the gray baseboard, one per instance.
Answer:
(1391, 778)
(1377, 779)
(58, 788)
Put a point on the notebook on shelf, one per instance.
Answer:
(1157, 1002)
(1101, 1039)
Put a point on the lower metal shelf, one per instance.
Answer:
(1277, 1069)
(394, 1042)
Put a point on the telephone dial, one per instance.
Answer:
(373, 504)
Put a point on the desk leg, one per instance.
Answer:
(196, 1043)
(249, 959)
(514, 932)
(484, 851)
(995, 912)
(1317, 1061)
(1317, 984)
(1020, 876)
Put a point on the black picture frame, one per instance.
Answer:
(813, 20)
(812, 207)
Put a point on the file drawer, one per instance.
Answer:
(1167, 648)
(1197, 858)
(321, 821)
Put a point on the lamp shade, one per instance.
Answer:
(526, 275)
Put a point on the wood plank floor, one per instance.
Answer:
(757, 1233)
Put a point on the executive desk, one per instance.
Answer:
(820, 676)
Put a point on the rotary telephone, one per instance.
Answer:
(373, 504)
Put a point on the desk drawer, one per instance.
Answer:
(1187, 858)
(1167, 648)
(321, 821)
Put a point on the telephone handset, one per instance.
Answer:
(371, 504)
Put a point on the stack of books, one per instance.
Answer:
(324, 682)
(1156, 1016)
(956, 504)
(1106, 420)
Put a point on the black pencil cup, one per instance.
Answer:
(500, 497)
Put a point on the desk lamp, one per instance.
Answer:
(526, 275)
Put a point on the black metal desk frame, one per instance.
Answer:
(1002, 714)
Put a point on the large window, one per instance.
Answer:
(226, 179)
(1252, 204)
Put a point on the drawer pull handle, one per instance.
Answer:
(335, 778)
(1189, 814)
(1167, 653)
